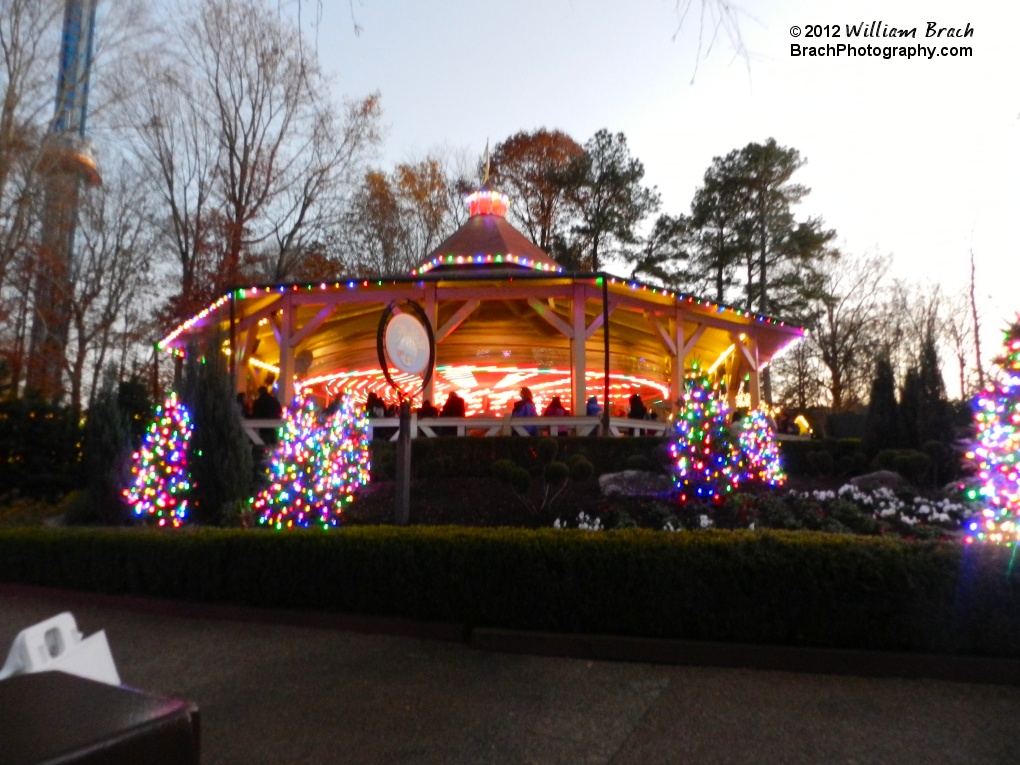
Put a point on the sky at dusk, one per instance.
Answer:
(914, 158)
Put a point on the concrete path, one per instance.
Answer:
(278, 694)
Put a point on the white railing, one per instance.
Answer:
(434, 427)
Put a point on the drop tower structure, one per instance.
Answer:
(67, 161)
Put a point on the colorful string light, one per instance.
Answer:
(996, 452)
(321, 460)
(159, 490)
(757, 442)
(706, 461)
(245, 293)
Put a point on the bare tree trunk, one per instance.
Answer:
(977, 326)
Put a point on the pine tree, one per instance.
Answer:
(159, 490)
(221, 457)
(934, 417)
(910, 396)
(707, 463)
(997, 452)
(882, 424)
(757, 442)
(316, 467)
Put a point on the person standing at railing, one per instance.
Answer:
(638, 411)
(525, 407)
(266, 407)
(555, 408)
(427, 410)
(454, 406)
(593, 409)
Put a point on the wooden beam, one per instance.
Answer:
(254, 318)
(691, 341)
(744, 350)
(597, 321)
(662, 333)
(503, 291)
(274, 324)
(312, 324)
(554, 319)
(456, 320)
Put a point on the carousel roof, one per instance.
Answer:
(504, 314)
(487, 240)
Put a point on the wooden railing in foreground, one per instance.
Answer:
(385, 428)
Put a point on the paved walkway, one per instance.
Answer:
(276, 694)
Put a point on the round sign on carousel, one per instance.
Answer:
(407, 344)
(405, 341)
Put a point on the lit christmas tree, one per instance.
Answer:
(757, 443)
(706, 462)
(997, 416)
(159, 490)
(317, 466)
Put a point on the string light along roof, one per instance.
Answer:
(486, 247)
(487, 240)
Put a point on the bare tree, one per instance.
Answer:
(850, 314)
(396, 219)
(254, 163)
(958, 339)
(977, 324)
(109, 277)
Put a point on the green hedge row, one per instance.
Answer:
(798, 589)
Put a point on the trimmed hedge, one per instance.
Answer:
(798, 589)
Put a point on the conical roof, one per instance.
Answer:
(487, 240)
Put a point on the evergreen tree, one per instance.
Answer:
(996, 453)
(316, 467)
(910, 396)
(107, 452)
(604, 186)
(159, 490)
(934, 416)
(882, 424)
(136, 403)
(221, 456)
(706, 462)
(757, 442)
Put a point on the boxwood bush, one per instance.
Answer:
(801, 589)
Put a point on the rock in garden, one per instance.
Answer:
(635, 483)
(881, 479)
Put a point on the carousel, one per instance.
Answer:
(503, 315)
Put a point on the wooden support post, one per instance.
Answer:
(286, 380)
(605, 348)
(679, 360)
(578, 357)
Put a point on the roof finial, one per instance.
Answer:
(485, 173)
